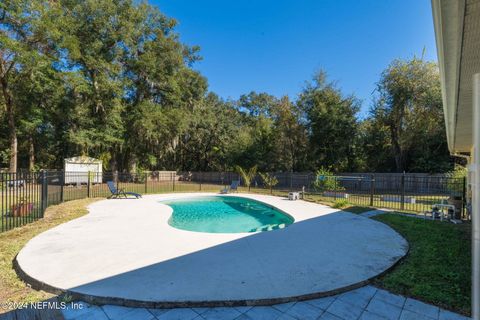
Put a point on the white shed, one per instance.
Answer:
(77, 170)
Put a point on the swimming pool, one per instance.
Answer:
(225, 214)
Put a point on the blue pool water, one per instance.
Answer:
(217, 214)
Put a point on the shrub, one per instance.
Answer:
(140, 175)
(339, 204)
(247, 175)
(326, 181)
(269, 180)
(455, 180)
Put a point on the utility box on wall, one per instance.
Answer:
(78, 170)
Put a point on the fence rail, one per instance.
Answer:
(26, 195)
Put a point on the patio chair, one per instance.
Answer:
(118, 193)
(232, 188)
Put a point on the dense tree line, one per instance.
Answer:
(111, 79)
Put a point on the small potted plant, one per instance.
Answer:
(22, 208)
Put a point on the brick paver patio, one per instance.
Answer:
(366, 303)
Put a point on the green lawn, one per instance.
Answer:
(437, 267)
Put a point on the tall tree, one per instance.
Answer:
(374, 147)
(331, 121)
(36, 100)
(290, 136)
(27, 40)
(257, 104)
(98, 38)
(409, 106)
(211, 132)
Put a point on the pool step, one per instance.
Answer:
(269, 227)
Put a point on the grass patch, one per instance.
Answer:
(12, 289)
(339, 204)
(438, 266)
(343, 204)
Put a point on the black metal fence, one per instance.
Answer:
(398, 192)
(25, 196)
(414, 193)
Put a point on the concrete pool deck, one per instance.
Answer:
(125, 252)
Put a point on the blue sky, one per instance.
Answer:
(275, 46)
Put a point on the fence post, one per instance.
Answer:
(464, 197)
(88, 184)
(115, 177)
(44, 196)
(291, 180)
(335, 188)
(372, 189)
(173, 181)
(201, 176)
(402, 195)
(146, 182)
(5, 185)
(62, 185)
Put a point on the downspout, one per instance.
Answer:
(475, 167)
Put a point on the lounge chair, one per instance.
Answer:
(232, 188)
(118, 193)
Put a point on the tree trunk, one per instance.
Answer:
(132, 164)
(13, 149)
(7, 96)
(31, 155)
(113, 163)
(397, 149)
